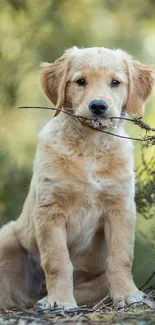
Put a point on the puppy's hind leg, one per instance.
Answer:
(17, 272)
(92, 291)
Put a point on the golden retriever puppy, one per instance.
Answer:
(73, 242)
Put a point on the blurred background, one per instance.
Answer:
(32, 31)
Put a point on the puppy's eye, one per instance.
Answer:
(81, 82)
(114, 83)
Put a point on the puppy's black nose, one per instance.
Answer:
(98, 106)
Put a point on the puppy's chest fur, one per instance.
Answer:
(90, 178)
(84, 217)
(80, 182)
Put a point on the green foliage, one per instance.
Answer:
(145, 189)
(13, 186)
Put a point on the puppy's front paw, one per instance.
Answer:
(48, 303)
(127, 299)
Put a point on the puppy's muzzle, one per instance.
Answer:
(98, 107)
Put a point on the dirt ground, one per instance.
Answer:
(31, 317)
(99, 314)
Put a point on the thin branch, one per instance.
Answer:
(68, 111)
(137, 122)
(149, 138)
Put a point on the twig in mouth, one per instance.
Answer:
(138, 122)
(67, 111)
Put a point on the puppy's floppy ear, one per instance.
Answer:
(141, 79)
(53, 79)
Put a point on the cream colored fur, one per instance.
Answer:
(76, 230)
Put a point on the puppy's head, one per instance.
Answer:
(97, 83)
